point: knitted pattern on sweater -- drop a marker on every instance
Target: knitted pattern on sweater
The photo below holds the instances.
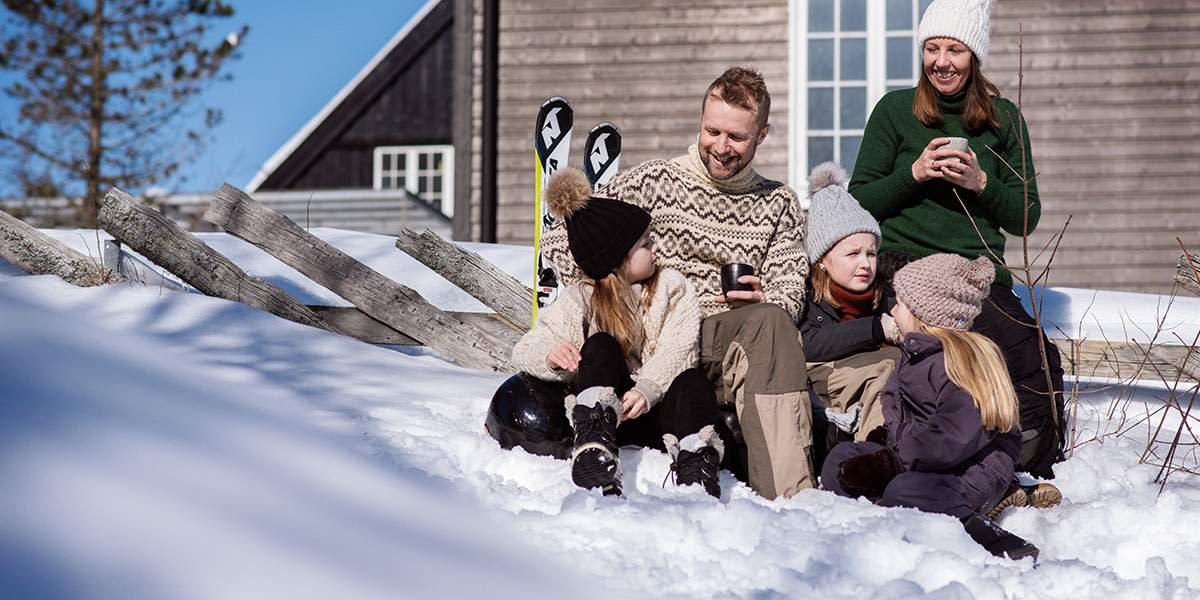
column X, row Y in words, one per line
column 672, row 324
column 700, row 224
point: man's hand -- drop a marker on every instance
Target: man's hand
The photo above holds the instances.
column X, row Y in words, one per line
column 563, row 356
column 633, row 405
column 736, row 298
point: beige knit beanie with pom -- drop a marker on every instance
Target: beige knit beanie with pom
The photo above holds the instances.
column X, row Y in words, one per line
column 945, row 290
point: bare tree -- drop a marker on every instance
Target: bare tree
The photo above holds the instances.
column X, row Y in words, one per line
column 102, row 88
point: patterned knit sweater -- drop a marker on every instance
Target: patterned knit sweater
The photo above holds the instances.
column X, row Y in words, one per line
column 701, row 224
column 672, row 324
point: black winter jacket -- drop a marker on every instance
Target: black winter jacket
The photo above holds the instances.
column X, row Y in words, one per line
column 826, row 337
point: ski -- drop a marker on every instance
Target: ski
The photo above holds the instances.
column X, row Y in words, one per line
column 602, row 154
column 551, row 150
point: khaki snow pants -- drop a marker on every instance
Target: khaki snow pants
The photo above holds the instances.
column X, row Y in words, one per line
column 856, row 379
column 754, row 358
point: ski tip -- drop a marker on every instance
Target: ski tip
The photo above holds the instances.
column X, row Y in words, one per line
column 605, row 125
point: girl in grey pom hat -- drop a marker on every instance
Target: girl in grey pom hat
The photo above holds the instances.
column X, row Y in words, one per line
column 952, row 431
column 849, row 340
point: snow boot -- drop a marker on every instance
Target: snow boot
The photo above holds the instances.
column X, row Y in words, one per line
column 996, row 540
column 697, row 459
column 595, row 459
column 1014, row 496
column 1042, row 495
column 1038, row 495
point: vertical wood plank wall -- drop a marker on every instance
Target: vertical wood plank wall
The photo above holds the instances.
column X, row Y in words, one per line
column 642, row 64
column 1111, row 92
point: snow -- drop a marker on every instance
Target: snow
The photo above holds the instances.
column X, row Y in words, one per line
column 171, row 445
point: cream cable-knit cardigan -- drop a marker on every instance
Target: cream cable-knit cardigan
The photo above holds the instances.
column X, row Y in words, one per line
column 672, row 345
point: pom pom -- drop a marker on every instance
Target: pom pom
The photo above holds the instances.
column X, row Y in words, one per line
column 825, row 175
column 567, row 192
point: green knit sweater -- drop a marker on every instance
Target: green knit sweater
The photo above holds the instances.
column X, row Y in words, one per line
column 926, row 218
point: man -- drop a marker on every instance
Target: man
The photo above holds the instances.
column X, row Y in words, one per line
column 711, row 208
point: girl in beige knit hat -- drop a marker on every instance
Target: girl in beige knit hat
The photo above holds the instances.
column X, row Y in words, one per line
column 952, row 425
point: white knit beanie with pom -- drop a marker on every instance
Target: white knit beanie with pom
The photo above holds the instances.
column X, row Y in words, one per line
column 832, row 212
column 967, row 21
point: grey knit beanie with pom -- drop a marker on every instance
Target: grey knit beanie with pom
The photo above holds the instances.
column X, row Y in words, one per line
column 945, row 290
column 832, row 212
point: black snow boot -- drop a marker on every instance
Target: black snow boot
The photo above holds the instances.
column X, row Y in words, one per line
column 996, row 540
column 697, row 459
column 595, row 459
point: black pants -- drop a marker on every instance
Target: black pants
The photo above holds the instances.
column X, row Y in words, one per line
column 1004, row 321
column 687, row 406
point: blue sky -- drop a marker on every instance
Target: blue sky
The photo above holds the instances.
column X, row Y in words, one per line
column 297, row 56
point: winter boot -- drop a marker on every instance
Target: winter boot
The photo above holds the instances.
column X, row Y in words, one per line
column 595, row 461
column 697, row 459
column 996, row 540
column 1014, row 496
column 1042, row 495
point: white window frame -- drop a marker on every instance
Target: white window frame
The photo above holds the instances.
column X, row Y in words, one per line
column 876, row 83
column 412, row 172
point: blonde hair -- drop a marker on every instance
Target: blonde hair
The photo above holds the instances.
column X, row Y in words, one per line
column 617, row 310
column 975, row 364
column 979, row 112
column 822, row 285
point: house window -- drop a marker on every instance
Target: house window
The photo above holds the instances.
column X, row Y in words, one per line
column 425, row 171
column 846, row 54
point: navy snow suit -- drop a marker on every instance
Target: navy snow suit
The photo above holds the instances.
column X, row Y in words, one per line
column 949, row 463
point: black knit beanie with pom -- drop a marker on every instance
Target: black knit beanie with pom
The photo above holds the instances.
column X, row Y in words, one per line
column 600, row 231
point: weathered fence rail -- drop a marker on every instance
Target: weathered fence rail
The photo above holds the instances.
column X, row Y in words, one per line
column 39, row 254
column 168, row 245
column 383, row 299
column 473, row 274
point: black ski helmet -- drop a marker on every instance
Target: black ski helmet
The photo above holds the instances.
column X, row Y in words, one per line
column 528, row 412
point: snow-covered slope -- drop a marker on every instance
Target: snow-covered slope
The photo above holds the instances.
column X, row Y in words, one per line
column 159, row 444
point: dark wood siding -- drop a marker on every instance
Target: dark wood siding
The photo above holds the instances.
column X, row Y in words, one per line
column 406, row 100
column 1111, row 91
column 642, row 64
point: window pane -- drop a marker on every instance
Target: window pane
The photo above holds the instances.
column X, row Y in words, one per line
column 422, row 185
column 387, row 162
column 820, row 15
column 892, row 88
column 900, row 53
column 854, row 108
column 849, row 147
column 899, row 14
column 422, row 161
column 437, row 184
column 437, row 162
column 820, row 108
column 385, row 183
column 820, row 60
column 924, row 5
column 400, row 184
column 401, row 159
column 854, row 59
column 854, row 15
column 820, row 149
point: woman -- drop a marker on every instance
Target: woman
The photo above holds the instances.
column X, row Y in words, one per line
column 849, row 340
column 931, row 198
